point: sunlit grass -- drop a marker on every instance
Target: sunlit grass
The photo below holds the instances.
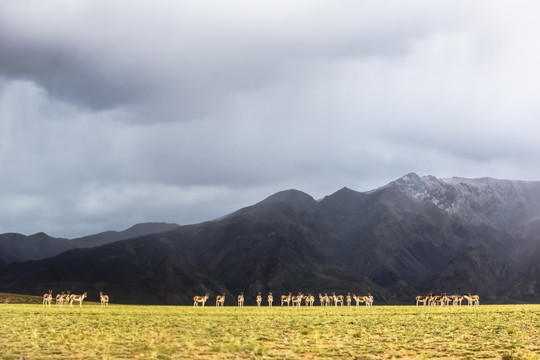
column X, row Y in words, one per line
column 167, row 332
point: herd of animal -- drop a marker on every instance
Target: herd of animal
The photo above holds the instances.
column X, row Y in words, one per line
column 67, row 298
column 335, row 300
column 295, row 300
column 444, row 299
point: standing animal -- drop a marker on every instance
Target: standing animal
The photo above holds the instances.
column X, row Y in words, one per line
column 47, row 298
column 286, row 299
column 241, row 299
column 200, row 300
column 423, row 299
column 365, row 299
column 337, row 299
column 472, row 299
column 220, row 300
column 297, row 300
column 104, row 299
column 310, row 300
column 259, row 299
column 370, row 300
column 59, row 298
column 270, row 299
column 327, row 300
column 78, row 298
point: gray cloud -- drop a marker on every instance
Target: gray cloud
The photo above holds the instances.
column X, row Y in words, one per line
column 187, row 61
column 112, row 115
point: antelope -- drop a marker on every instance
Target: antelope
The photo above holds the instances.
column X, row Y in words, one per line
column 452, row 299
column 78, row 298
column 285, row 299
column 310, row 300
column 200, row 299
column 60, row 299
column 365, row 299
column 327, row 300
column 423, row 299
column 104, row 299
column 270, row 299
column 444, row 299
column 362, row 299
column 337, row 299
column 370, row 300
column 322, row 299
column 259, row 300
column 47, row 298
column 241, row 299
column 220, row 300
column 349, row 299
column 297, row 300
column 64, row 298
column 472, row 299
column 438, row 299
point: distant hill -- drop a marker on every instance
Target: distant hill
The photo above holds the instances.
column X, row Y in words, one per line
column 17, row 247
column 413, row 235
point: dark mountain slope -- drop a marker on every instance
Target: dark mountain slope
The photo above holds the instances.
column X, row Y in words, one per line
column 144, row 270
column 478, row 270
column 392, row 238
column 280, row 244
column 414, row 235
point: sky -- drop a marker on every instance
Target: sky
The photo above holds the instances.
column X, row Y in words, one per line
column 115, row 112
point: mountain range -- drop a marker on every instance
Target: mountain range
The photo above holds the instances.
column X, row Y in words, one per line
column 411, row 236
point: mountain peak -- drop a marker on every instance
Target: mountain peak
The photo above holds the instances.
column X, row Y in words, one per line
column 413, row 178
column 292, row 197
column 412, row 184
column 410, row 177
column 40, row 235
column 345, row 190
column 342, row 196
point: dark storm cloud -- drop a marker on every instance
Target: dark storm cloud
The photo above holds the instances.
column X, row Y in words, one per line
column 113, row 113
column 65, row 74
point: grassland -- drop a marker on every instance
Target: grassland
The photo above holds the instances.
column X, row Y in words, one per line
column 6, row 298
column 167, row 332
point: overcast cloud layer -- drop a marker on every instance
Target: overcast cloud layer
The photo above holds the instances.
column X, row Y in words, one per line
column 114, row 112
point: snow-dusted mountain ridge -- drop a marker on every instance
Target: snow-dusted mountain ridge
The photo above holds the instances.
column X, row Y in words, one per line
column 503, row 204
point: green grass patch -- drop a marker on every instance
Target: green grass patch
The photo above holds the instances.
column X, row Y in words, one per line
column 178, row 332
